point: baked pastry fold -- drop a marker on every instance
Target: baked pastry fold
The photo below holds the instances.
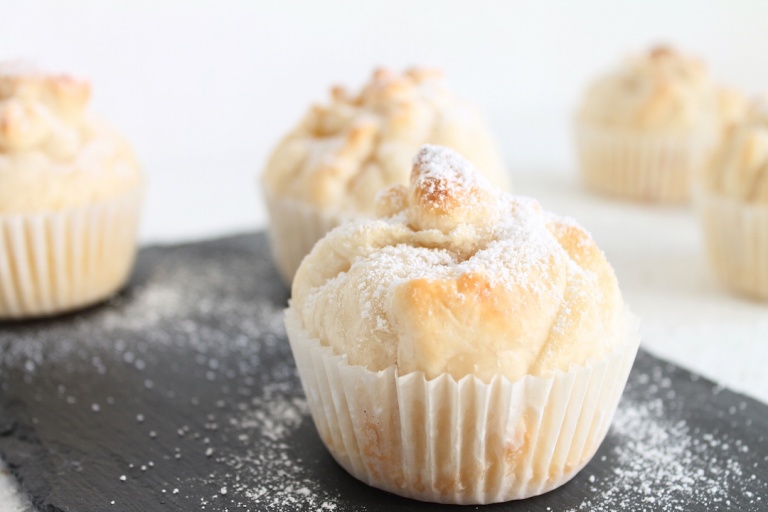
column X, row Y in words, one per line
column 465, row 347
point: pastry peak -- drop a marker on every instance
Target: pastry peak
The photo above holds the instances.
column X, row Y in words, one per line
column 447, row 191
column 437, row 167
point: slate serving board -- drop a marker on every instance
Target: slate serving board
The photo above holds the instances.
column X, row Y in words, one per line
column 181, row 394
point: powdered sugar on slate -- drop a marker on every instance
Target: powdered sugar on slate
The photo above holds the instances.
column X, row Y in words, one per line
column 666, row 463
column 266, row 470
column 220, row 312
column 199, row 311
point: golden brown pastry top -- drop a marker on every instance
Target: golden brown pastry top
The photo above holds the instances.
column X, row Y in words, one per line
column 739, row 167
column 455, row 276
column 53, row 153
column 343, row 153
column 660, row 90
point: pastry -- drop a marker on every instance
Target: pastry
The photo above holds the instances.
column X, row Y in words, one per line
column 733, row 205
column 70, row 192
column 466, row 346
column 330, row 167
column 644, row 130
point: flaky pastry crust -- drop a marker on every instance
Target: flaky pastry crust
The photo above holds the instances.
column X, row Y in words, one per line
column 343, row 153
column 53, row 154
column 456, row 277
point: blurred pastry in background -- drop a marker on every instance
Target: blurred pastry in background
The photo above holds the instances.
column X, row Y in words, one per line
column 643, row 130
column 70, row 194
column 733, row 107
column 331, row 166
column 732, row 201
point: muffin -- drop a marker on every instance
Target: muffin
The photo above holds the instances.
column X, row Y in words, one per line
column 466, row 346
column 70, row 192
column 733, row 206
column 643, row 130
column 330, row 168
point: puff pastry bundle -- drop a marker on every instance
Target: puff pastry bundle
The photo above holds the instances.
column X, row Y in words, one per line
column 733, row 206
column 70, row 191
column 644, row 130
column 466, row 346
column 330, row 167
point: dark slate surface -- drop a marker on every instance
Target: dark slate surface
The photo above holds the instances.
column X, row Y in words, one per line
column 188, row 374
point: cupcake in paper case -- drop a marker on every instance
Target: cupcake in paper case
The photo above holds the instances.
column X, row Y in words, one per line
column 331, row 166
column 70, row 194
column 464, row 347
column 732, row 202
column 644, row 130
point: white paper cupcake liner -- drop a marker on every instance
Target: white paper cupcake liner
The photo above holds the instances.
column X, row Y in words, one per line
column 54, row 262
column 294, row 228
column 736, row 237
column 465, row 442
column 656, row 167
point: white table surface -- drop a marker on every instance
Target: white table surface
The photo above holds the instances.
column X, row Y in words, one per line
column 11, row 499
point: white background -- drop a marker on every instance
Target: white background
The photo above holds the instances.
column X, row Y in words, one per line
column 205, row 89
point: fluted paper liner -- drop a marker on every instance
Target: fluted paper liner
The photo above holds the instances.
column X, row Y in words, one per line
column 54, row 262
column 294, row 228
column 465, row 442
column 736, row 237
column 648, row 167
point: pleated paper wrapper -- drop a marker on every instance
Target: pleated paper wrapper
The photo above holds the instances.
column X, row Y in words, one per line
column 736, row 236
column 294, row 229
column 645, row 167
column 54, row 262
column 465, row 442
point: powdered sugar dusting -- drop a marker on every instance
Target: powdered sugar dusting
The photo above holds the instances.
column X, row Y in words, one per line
column 210, row 321
column 262, row 469
column 444, row 166
column 666, row 462
column 655, row 453
column 452, row 225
